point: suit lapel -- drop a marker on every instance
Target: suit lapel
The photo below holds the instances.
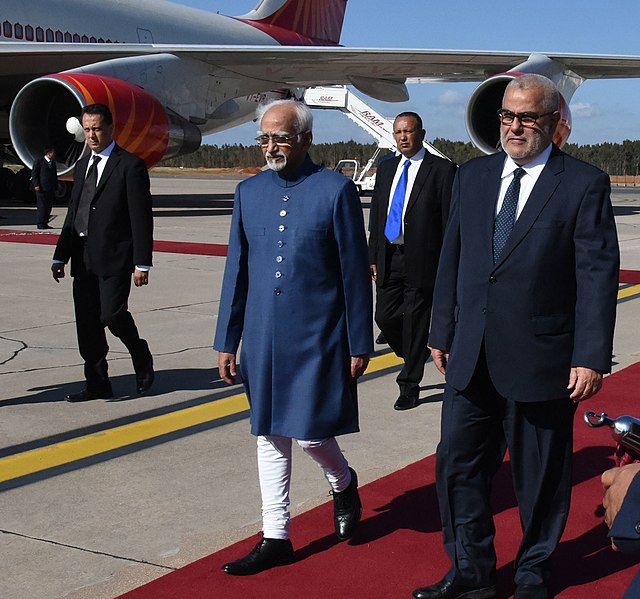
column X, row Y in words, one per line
column 541, row 193
column 420, row 180
column 112, row 162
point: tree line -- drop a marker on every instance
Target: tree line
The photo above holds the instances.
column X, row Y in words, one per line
column 613, row 158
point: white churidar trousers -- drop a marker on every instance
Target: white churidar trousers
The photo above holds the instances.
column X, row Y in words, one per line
column 274, row 471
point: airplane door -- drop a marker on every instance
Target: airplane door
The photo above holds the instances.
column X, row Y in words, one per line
column 145, row 36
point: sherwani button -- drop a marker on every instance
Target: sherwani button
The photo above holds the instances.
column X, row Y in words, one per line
column 281, row 228
column 278, row 274
column 283, row 213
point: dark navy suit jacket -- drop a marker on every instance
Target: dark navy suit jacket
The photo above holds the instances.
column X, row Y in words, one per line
column 549, row 302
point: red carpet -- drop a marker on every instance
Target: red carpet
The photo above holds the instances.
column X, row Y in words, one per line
column 398, row 545
column 631, row 277
column 174, row 247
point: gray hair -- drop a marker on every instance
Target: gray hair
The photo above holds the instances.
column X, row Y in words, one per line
column 304, row 118
column 551, row 101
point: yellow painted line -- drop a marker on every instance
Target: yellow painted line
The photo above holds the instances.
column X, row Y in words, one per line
column 628, row 292
column 72, row 450
column 65, row 452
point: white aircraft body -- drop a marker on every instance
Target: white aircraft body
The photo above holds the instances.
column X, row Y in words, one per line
column 171, row 74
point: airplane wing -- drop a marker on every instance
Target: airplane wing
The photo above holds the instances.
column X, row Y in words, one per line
column 311, row 65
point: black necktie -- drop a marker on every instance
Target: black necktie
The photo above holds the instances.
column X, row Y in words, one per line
column 81, row 222
column 507, row 215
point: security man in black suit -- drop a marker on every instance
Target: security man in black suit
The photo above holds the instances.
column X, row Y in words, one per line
column 409, row 211
column 44, row 178
column 107, row 234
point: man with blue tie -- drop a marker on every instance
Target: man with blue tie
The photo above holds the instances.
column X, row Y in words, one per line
column 409, row 211
column 523, row 315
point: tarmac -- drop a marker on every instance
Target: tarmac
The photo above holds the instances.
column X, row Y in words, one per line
column 100, row 497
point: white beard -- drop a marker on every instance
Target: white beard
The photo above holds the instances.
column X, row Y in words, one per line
column 275, row 165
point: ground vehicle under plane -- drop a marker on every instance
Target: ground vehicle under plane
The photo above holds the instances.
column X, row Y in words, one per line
column 178, row 73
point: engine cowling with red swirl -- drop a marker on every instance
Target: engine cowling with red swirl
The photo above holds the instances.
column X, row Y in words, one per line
column 46, row 111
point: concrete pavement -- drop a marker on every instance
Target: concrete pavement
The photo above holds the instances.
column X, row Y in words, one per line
column 175, row 479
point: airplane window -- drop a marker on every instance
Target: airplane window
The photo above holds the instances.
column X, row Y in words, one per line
column 39, row 34
column 49, row 34
column 59, row 36
column 85, row 39
column 18, row 31
column 92, row 39
column 67, row 37
column 28, row 33
column 76, row 38
column 7, row 29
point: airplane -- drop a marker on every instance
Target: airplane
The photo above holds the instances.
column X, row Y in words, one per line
column 172, row 74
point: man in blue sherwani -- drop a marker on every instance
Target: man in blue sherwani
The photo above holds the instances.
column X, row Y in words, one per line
column 523, row 316
column 296, row 290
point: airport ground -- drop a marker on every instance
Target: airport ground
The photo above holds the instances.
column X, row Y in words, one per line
column 101, row 497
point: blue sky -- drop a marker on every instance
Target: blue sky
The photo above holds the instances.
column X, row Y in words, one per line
column 602, row 110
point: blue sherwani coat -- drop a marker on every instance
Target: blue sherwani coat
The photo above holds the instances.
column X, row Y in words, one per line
column 297, row 290
column 549, row 302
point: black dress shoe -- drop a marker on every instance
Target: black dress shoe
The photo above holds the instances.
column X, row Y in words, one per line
column 347, row 509
column 143, row 365
column 405, row 402
column 145, row 377
column 446, row 589
column 89, row 395
column 268, row 553
column 44, row 227
column 531, row 591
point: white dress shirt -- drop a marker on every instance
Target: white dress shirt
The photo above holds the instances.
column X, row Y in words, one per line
column 532, row 171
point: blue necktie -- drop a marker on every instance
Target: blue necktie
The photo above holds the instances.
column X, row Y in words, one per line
column 393, row 228
column 507, row 215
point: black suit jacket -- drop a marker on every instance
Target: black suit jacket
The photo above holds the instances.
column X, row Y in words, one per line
column 549, row 302
column 120, row 219
column 424, row 222
column 43, row 175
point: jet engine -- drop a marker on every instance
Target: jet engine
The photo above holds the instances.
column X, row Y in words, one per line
column 481, row 117
column 47, row 111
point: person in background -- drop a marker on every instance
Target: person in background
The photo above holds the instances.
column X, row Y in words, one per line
column 44, row 178
column 409, row 211
column 107, row 234
column 622, row 514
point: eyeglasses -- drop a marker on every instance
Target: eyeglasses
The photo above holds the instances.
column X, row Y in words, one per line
column 527, row 119
column 279, row 140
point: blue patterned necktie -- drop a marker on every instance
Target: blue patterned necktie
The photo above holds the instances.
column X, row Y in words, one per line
column 393, row 228
column 507, row 215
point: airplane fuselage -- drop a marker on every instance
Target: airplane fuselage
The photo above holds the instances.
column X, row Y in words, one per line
column 118, row 21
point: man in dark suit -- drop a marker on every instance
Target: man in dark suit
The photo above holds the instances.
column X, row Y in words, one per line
column 523, row 317
column 409, row 211
column 44, row 178
column 622, row 514
column 107, row 234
